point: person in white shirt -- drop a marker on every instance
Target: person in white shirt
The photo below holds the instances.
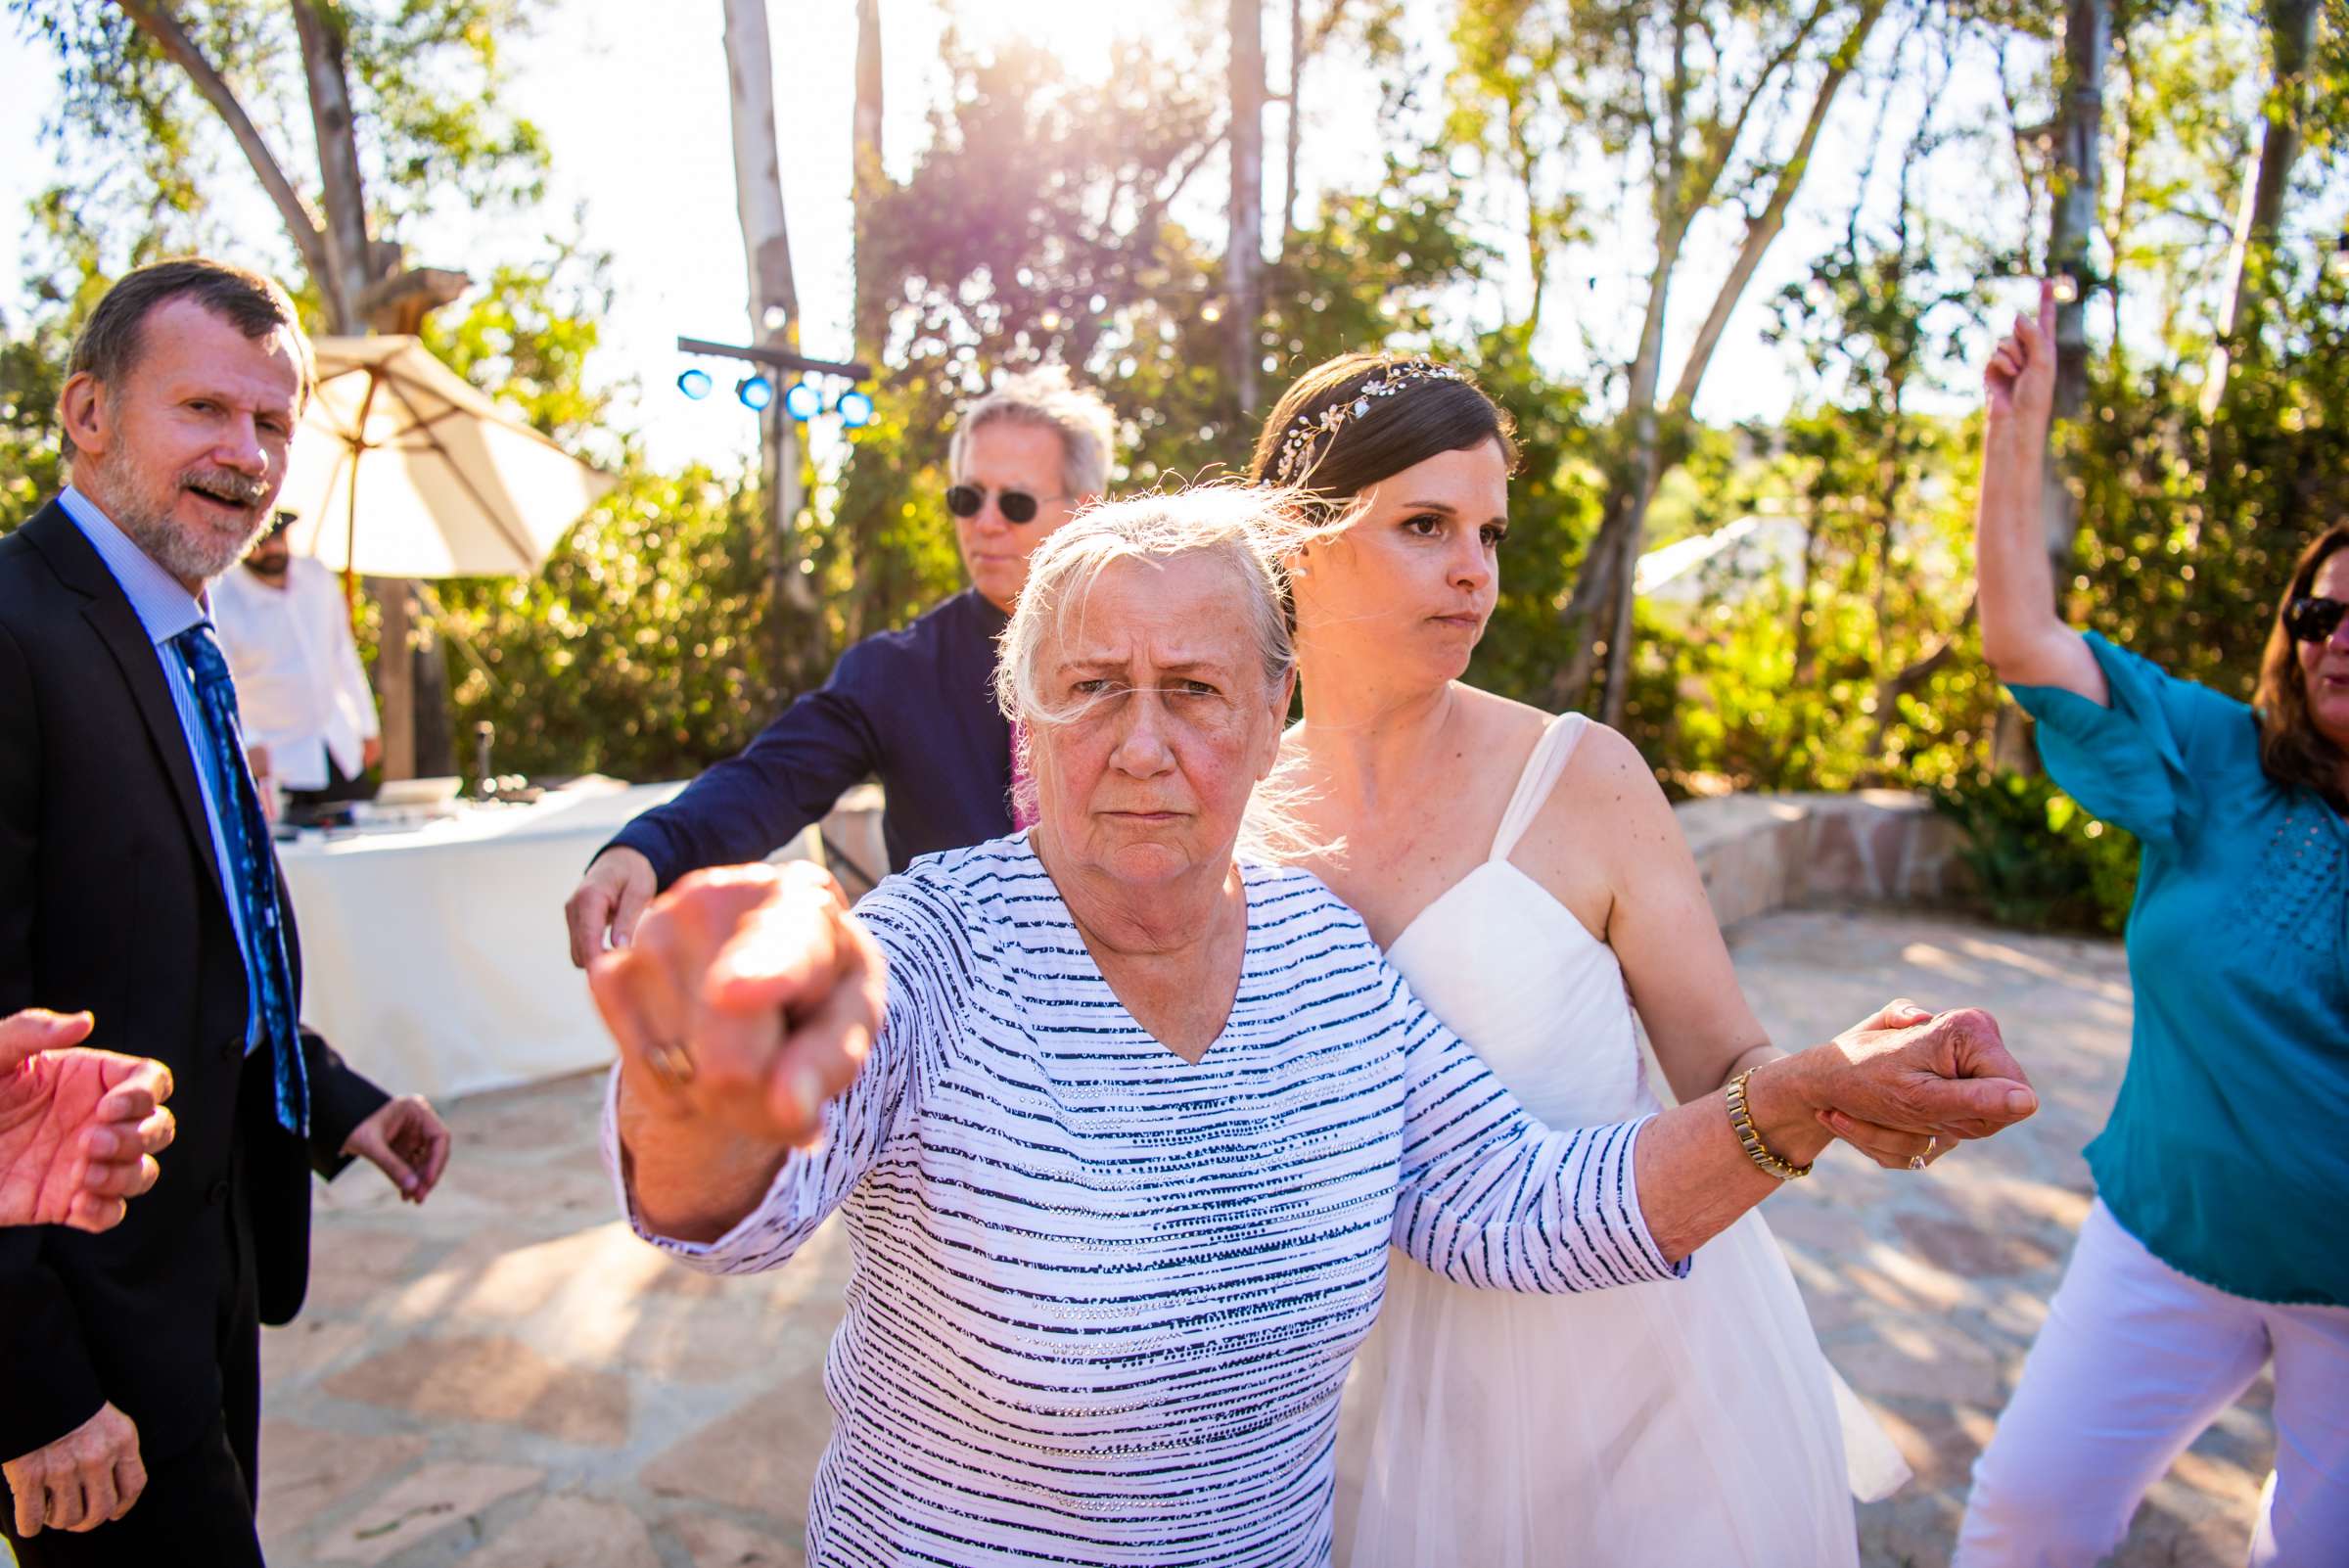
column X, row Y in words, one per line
column 308, row 713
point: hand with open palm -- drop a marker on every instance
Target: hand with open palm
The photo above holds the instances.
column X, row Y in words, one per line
column 79, row 1128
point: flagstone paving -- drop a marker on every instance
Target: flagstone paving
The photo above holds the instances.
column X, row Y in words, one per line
column 505, row 1379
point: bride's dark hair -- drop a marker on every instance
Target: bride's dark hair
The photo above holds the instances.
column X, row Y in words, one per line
column 1443, row 412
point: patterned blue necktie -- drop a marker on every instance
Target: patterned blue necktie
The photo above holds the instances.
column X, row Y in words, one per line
column 250, row 876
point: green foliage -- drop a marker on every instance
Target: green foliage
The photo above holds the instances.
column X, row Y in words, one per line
column 1553, row 511
column 526, row 334
column 1055, row 218
column 1039, row 228
column 2190, row 524
column 142, row 150
column 2038, row 859
column 636, row 651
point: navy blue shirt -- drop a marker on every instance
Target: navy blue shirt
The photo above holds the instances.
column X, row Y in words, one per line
column 914, row 707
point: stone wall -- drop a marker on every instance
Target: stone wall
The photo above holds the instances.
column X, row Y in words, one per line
column 1760, row 853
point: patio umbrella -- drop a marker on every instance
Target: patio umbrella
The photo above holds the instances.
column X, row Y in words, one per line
column 402, row 469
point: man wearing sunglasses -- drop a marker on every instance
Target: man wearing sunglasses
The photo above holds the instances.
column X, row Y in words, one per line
column 914, row 707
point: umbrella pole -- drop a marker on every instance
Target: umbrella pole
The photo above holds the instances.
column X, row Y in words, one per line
column 395, row 671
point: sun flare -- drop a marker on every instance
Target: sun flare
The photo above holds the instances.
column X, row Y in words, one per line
column 1081, row 32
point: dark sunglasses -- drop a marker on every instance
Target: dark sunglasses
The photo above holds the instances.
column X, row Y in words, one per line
column 1017, row 506
column 2310, row 618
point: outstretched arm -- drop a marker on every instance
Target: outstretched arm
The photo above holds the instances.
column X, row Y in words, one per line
column 1608, row 847
column 1490, row 1197
column 743, row 1015
column 2024, row 639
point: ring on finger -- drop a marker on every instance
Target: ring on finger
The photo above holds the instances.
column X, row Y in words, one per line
column 1918, row 1162
column 671, row 1063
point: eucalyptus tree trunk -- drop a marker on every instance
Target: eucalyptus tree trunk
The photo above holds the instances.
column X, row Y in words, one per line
column 2283, row 130
column 319, row 25
column 775, row 308
column 1244, row 255
column 1295, row 129
column 1646, row 467
column 868, row 183
column 1597, row 616
column 410, row 668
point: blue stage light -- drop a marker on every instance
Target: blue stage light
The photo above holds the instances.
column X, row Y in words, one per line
column 804, row 401
column 854, row 409
column 695, row 383
column 756, row 393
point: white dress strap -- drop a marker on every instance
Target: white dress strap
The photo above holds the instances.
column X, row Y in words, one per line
column 1541, row 769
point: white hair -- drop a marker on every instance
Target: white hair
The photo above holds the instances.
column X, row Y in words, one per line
column 1046, row 399
column 1251, row 530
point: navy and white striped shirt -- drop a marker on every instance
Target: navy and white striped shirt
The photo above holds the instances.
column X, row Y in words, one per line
column 1104, row 1300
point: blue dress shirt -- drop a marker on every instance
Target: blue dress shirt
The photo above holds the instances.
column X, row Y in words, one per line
column 915, row 708
column 165, row 609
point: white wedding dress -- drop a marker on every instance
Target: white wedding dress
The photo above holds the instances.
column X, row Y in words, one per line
column 1686, row 1424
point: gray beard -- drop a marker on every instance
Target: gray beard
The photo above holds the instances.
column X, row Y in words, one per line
column 190, row 559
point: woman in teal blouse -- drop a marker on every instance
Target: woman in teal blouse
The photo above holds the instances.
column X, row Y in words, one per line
column 2218, row 1240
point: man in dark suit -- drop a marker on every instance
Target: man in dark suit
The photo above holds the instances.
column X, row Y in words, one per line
column 138, row 883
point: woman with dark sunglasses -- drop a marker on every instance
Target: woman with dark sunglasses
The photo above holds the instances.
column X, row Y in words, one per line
column 2215, row 1245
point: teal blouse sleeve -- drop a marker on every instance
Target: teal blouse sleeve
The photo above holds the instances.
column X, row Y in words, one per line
column 2135, row 763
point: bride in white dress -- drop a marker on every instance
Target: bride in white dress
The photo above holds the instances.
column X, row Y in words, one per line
column 1521, row 871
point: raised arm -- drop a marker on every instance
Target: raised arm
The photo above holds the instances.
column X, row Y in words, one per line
column 1490, row 1197
column 745, row 1014
column 2024, row 639
column 738, row 810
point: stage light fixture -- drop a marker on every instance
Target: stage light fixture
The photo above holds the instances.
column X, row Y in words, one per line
column 756, row 393
column 695, row 383
column 854, row 409
column 804, row 401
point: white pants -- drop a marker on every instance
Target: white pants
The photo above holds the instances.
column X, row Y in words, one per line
column 2134, row 1362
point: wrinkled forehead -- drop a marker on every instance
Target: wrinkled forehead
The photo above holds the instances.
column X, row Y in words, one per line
column 187, row 352
column 1190, row 611
column 1012, row 453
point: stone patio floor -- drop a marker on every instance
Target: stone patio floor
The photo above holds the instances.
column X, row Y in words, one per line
column 506, row 1379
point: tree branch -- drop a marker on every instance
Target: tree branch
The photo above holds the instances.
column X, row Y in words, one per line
column 1721, row 148
column 1764, row 229
column 155, row 18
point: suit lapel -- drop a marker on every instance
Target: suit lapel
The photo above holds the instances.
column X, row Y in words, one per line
column 107, row 610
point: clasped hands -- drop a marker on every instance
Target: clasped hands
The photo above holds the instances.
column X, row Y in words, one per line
column 1905, row 1086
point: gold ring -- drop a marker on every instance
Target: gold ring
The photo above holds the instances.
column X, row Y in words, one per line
column 672, row 1064
column 1916, row 1161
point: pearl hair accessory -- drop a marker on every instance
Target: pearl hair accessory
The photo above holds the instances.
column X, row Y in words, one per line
column 1307, row 430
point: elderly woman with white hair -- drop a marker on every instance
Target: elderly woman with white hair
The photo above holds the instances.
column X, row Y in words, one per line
column 1121, row 1122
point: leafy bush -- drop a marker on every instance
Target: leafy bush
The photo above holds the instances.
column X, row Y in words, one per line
column 639, row 650
column 2039, row 861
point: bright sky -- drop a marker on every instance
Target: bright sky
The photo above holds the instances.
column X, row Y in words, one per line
column 636, row 117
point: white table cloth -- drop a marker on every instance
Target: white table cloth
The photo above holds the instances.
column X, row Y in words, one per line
column 434, row 959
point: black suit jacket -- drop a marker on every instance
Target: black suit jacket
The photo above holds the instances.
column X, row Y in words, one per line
column 110, row 899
